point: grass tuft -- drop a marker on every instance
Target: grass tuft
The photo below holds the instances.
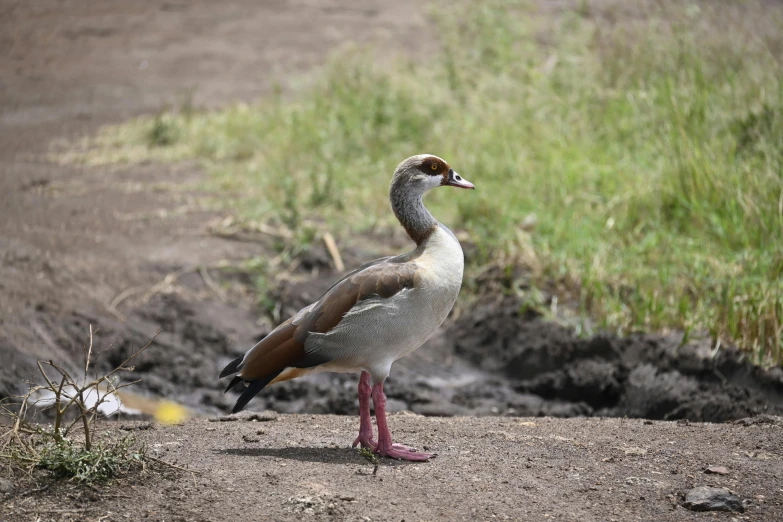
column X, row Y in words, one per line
column 163, row 132
column 646, row 139
column 103, row 461
column 75, row 402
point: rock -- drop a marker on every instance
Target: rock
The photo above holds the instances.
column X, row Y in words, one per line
column 717, row 470
column 706, row 498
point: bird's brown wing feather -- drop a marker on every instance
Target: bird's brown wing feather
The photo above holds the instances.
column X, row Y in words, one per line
column 285, row 346
column 383, row 280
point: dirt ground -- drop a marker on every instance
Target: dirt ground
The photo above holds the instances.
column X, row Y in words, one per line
column 74, row 240
column 121, row 249
column 300, row 467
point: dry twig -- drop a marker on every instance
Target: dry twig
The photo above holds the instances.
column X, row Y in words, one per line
column 331, row 246
column 21, row 443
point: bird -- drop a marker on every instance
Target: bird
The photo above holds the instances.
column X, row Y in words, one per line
column 373, row 316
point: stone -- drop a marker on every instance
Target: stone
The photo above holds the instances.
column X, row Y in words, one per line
column 707, row 498
column 717, row 470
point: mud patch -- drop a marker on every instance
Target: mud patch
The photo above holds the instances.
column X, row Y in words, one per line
column 647, row 376
column 496, row 360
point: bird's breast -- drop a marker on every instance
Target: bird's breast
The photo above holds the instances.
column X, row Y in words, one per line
column 381, row 330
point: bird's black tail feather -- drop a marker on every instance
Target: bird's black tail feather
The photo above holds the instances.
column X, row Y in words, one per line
column 253, row 387
column 234, row 382
column 232, row 367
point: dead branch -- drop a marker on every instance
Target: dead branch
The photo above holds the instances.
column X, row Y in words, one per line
column 88, row 356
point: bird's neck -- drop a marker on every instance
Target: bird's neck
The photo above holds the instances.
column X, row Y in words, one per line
column 411, row 213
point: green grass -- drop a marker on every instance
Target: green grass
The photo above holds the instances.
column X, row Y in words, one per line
column 101, row 462
column 645, row 138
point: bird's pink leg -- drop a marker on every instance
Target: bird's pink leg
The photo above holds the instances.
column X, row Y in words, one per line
column 385, row 448
column 365, row 420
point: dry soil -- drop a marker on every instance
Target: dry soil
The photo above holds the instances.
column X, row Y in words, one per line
column 300, row 467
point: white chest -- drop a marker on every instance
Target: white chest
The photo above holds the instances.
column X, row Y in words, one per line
column 442, row 265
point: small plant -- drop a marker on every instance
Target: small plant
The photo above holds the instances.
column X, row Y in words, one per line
column 68, row 448
column 101, row 462
column 163, row 131
column 370, row 457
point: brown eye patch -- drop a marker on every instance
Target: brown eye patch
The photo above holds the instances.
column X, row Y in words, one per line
column 434, row 166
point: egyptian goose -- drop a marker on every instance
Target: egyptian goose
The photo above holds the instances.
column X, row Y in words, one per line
column 373, row 316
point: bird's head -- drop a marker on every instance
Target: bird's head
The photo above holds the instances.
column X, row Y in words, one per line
column 425, row 172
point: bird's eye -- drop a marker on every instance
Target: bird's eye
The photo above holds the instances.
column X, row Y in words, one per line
column 434, row 166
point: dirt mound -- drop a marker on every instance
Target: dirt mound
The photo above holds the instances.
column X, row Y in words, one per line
column 647, row 376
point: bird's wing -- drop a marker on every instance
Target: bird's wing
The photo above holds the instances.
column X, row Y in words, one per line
column 284, row 347
column 382, row 280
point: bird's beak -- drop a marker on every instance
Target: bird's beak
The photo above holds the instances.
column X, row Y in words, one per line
column 455, row 180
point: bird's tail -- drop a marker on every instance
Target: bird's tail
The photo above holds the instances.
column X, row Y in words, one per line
column 263, row 363
column 251, row 389
column 232, row 367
